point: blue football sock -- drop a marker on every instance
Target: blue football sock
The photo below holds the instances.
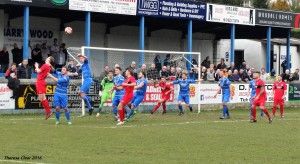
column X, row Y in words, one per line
column 227, row 110
column 115, row 111
column 262, row 113
column 87, row 101
column 180, row 108
column 190, row 106
column 127, row 109
column 67, row 113
column 130, row 114
column 57, row 115
column 224, row 111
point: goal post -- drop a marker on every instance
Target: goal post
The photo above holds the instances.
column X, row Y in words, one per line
column 100, row 57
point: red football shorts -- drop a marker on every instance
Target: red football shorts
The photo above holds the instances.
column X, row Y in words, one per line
column 278, row 101
column 126, row 99
column 260, row 102
column 40, row 88
column 165, row 97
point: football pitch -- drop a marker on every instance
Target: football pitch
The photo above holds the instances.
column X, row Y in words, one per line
column 192, row 138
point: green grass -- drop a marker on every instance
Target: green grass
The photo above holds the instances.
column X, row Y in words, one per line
column 154, row 138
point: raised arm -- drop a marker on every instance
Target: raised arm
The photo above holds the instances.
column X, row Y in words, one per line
column 52, row 77
column 37, row 69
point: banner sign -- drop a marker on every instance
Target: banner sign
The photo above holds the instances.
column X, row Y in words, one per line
column 172, row 9
column 274, row 18
column 154, row 94
column 36, row 36
column 294, row 92
column 230, row 14
column 28, row 99
column 60, row 4
column 5, row 93
column 126, row 7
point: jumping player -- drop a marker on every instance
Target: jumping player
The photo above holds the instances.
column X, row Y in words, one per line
column 260, row 98
column 141, row 88
column 251, row 93
column 119, row 90
column 41, row 84
column 107, row 84
column 224, row 85
column 61, row 91
column 166, row 90
column 279, row 92
column 128, row 85
column 87, row 81
column 184, row 93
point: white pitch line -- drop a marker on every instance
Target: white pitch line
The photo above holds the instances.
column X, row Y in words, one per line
column 15, row 161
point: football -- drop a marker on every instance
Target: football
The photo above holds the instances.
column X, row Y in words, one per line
column 68, row 30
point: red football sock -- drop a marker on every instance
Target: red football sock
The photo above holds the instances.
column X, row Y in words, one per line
column 46, row 106
column 274, row 110
column 156, row 107
column 121, row 115
column 266, row 112
column 164, row 107
column 281, row 110
column 253, row 113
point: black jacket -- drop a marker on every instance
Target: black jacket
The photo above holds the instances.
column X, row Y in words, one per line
column 24, row 73
column 17, row 55
column 4, row 57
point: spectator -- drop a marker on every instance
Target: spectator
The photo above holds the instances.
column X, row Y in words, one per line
column 168, row 68
column 206, row 62
column 60, row 58
column 172, row 74
column 217, row 75
column 152, row 73
column 242, row 75
column 71, row 67
column 182, row 64
column 13, row 82
column 296, row 75
column 232, row 67
column 157, row 62
column 167, row 60
column 24, row 71
column 211, row 74
column 263, row 74
column 164, row 72
column 243, row 66
column 247, row 68
column 203, row 74
column 30, row 61
column 17, row 54
column 178, row 73
column 250, row 75
column 222, row 65
column 144, row 70
column 54, row 49
column 252, row 72
column 230, row 76
column 283, row 65
column 133, row 67
column 104, row 73
column 172, row 61
column 286, row 76
column 4, row 60
column 36, row 55
column 194, row 62
column 194, row 73
column 272, row 76
column 291, row 77
column 211, row 66
column 45, row 52
column 63, row 45
column 235, row 75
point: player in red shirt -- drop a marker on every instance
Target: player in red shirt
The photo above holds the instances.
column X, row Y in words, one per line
column 166, row 90
column 128, row 85
column 279, row 92
column 41, row 83
column 260, row 97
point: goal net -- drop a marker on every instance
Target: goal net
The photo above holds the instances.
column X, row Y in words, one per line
column 154, row 63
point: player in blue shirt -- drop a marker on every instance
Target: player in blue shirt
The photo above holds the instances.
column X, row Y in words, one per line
column 141, row 88
column 184, row 93
column 224, row 85
column 60, row 95
column 252, row 89
column 87, row 81
column 119, row 91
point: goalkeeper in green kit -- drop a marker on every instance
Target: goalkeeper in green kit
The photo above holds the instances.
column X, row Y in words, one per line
column 107, row 84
